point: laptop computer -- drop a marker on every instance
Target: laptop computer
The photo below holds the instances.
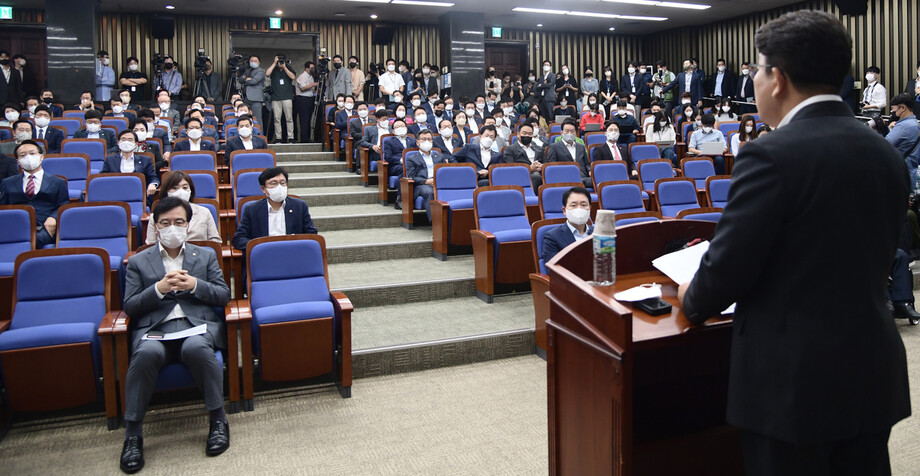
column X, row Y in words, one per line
column 561, row 117
column 711, row 148
column 592, row 127
column 665, row 143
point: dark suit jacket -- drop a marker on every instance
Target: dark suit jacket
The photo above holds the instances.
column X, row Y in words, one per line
column 183, row 145
column 51, row 195
column 53, row 137
column 11, row 92
column 603, row 153
column 515, row 153
column 393, row 149
column 816, row 356
column 142, row 165
column 147, row 309
column 556, row 239
column 558, row 152
column 235, row 143
column 446, row 148
column 255, row 221
column 742, row 94
column 164, row 137
column 106, row 134
column 342, row 117
column 129, row 115
column 414, row 129
column 8, row 167
column 417, row 170
column 641, row 85
column 471, row 154
column 356, row 127
column 729, row 80
column 696, row 86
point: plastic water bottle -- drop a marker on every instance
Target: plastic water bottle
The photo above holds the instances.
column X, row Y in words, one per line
column 605, row 248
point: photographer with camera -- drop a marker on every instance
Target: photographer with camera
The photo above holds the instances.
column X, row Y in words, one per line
column 305, row 101
column 254, row 79
column 212, row 80
column 282, row 80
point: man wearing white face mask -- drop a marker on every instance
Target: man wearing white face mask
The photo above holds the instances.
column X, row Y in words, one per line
column 244, row 138
column 345, row 115
column 93, row 129
column 276, row 214
column 421, row 123
column 127, row 162
column 134, row 81
column 169, row 112
column 393, row 149
column 44, row 131
column 45, row 193
column 391, row 82
column 173, row 287
column 420, row 168
column 576, row 205
column 22, row 131
column 545, row 90
column 356, row 124
column 708, row 133
column 722, row 82
column 875, row 96
column 481, row 154
column 569, row 149
column 105, row 76
column 254, row 78
column 194, row 129
column 445, row 139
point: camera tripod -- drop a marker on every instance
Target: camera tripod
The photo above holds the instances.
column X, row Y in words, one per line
column 157, row 84
column 319, row 101
column 201, row 86
column 233, row 85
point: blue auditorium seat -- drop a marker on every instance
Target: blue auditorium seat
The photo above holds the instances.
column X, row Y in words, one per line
column 675, row 194
column 72, row 166
column 621, row 197
column 501, row 240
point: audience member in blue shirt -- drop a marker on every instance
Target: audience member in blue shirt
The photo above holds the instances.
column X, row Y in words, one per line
column 708, row 133
column 905, row 133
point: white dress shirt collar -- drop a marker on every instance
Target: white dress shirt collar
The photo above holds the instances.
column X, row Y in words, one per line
column 808, row 102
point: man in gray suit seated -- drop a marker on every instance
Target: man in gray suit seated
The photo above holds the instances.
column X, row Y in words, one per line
column 173, row 287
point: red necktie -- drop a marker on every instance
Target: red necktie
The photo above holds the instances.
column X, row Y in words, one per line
column 30, row 187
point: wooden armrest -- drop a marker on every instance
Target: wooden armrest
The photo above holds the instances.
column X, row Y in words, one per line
column 130, row 254
column 107, row 326
column 122, row 321
column 243, row 311
column 4, row 325
column 342, row 302
column 482, row 234
column 231, row 313
column 539, row 278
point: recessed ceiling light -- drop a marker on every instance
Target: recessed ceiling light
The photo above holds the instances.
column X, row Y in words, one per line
column 612, row 28
column 170, row 7
column 279, row 12
column 655, row 3
column 422, row 3
column 539, row 10
column 373, row 16
column 539, row 24
column 592, row 14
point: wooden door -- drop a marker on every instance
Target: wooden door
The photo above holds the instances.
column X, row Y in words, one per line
column 505, row 58
column 29, row 42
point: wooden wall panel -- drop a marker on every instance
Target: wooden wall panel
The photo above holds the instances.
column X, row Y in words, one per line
column 579, row 50
column 887, row 37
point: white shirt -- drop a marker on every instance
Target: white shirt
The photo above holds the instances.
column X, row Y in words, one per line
column 614, row 151
column 127, row 164
column 744, row 80
column 665, row 134
column 303, row 81
column 812, row 100
column 40, row 132
column 718, row 89
column 428, row 163
column 575, row 231
column 486, row 155
column 381, row 131
column 194, row 146
column 170, row 265
column 876, row 95
column 38, row 180
column 689, row 79
column 529, row 152
column 276, row 223
column 6, row 73
column 571, row 148
column 247, row 143
column 632, row 80
column 391, row 81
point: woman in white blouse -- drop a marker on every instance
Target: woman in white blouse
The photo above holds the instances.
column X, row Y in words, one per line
column 724, row 112
column 747, row 131
column 201, row 227
column 661, row 130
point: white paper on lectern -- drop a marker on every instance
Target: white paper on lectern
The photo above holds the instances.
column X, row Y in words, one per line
column 194, row 331
column 681, row 265
column 639, row 293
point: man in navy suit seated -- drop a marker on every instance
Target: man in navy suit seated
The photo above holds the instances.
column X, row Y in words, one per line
column 342, row 117
column 393, row 149
column 195, row 131
column 244, row 140
column 43, row 130
column 45, row 193
column 480, row 153
column 371, row 135
column 276, row 214
column 93, row 129
column 445, row 139
column 576, row 205
column 207, row 131
column 420, row 168
column 47, row 97
column 127, row 162
column 119, row 109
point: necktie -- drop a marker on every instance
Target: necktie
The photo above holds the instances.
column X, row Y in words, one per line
column 30, row 187
column 41, row 133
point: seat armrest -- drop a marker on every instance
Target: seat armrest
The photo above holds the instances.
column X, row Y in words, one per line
column 243, row 311
column 4, row 325
column 482, row 234
column 107, row 326
column 341, row 301
column 120, row 322
column 231, row 313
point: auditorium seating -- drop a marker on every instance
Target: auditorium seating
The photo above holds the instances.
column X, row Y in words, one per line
column 643, row 150
column 675, row 194
column 539, row 280
column 128, row 188
column 452, row 215
column 73, row 167
column 551, row 199
column 501, row 240
column 556, row 172
column 197, row 160
column 699, row 169
column 70, row 124
column 717, row 190
column 18, row 225
column 517, row 174
column 704, row 213
column 621, row 196
column 637, row 217
column 95, row 149
column 251, row 159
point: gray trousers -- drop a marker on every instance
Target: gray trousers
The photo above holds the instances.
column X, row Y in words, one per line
column 256, row 108
column 149, row 356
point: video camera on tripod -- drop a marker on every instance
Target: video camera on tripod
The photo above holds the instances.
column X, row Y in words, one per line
column 157, row 61
column 201, row 63
column 236, row 65
column 322, row 66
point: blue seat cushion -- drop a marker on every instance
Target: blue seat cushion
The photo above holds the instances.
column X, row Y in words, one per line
column 373, row 166
column 296, row 311
column 6, row 269
column 175, row 376
column 48, row 335
column 392, row 181
column 531, row 200
column 419, row 203
column 75, row 194
column 512, row 235
column 461, row 204
column 644, row 195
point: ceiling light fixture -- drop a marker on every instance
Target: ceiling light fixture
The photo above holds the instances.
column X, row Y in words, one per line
column 539, row 10
column 420, row 3
column 373, row 16
column 611, row 28
column 653, row 3
column 369, row 1
column 633, row 17
column 170, row 7
column 586, row 14
column 590, row 14
column 279, row 12
column 540, row 25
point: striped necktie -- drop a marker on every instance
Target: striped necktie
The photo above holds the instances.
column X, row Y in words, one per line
column 30, row 187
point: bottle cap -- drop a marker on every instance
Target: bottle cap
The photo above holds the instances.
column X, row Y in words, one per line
column 605, row 224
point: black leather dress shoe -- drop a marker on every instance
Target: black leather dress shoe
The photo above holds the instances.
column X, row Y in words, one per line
column 905, row 310
column 397, row 205
column 132, row 454
column 218, row 438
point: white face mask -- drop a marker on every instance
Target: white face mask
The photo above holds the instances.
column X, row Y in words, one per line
column 446, row 133
column 563, row 103
column 391, row 67
column 132, row 67
column 707, row 129
column 245, row 131
column 32, row 109
column 577, row 216
column 173, row 236
column 151, row 126
column 141, row 135
column 425, row 146
column 253, row 64
column 21, row 136
column 699, row 123
column 533, row 78
column 631, row 70
column 349, row 106
column 745, row 72
column 721, row 68
column 12, row 116
column 748, row 129
column 127, row 146
column 870, row 77
column 688, row 113
column 195, row 133
column 164, row 106
column 400, row 131
column 362, row 113
column 612, row 136
column 400, row 114
column 568, row 137
column 508, row 110
column 480, row 106
column 340, row 104
column 105, row 61
column 426, row 70
column 663, row 123
column 126, row 99
column 621, row 113
column 486, row 142
column 421, row 118
column 94, row 128
column 181, row 193
column 565, row 70
column 642, row 70
column 470, row 112
column 546, row 68
column 461, row 121
column 416, row 103
column 685, row 101
column 117, row 109
column 397, row 99
column 42, row 121
column 278, row 193
column 30, row 162
column 608, row 73
column 449, row 107
column 726, row 108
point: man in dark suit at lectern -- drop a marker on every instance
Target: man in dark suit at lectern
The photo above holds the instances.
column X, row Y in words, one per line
column 818, row 370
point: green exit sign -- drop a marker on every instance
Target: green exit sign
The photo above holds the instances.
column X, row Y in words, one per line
column 6, row 13
column 496, row 32
column 274, row 23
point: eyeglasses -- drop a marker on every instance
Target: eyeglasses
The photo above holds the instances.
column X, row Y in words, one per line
column 165, row 223
column 275, row 183
column 756, row 67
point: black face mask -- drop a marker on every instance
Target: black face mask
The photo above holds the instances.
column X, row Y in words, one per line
column 48, row 100
column 168, row 65
column 5, row 62
column 337, row 65
column 352, row 64
column 525, row 140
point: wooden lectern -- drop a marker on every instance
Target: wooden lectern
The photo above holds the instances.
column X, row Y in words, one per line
column 630, row 393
